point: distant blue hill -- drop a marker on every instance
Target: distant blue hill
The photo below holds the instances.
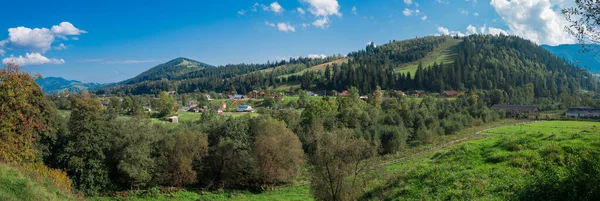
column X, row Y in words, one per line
column 588, row 60
column 56, row 84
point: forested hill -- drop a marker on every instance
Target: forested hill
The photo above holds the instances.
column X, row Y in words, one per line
column 440, row 63
column 56, row 84
column 588, row 60
column 173, row 68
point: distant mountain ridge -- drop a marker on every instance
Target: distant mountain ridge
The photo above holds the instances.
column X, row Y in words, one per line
column 173, row 68
column 56, row 84
column 572, row 53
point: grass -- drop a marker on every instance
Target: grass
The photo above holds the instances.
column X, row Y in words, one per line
column 294, row 193
column 496, row 167
column 444, row 53
column 16, row 185
column 320, row 67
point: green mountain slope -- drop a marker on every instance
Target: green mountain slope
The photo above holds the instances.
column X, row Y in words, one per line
column 472, row 62
column 588, row 60
column 444, row 53
column 56, row 84
column 169, row 70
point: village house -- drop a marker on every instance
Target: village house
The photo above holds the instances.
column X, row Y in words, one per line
column 173, row 119
column 582, row 112
column 245, row 108
column 237, row 97
column 450, row 94
column 517, row 110
column 418, row 93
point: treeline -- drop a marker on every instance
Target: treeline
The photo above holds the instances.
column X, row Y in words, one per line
column 174, row 77
column 483, row 62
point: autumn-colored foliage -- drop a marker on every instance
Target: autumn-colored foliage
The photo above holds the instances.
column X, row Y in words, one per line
column 22, row 110
column 25, row 116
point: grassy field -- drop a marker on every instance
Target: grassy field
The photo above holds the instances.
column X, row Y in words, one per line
column 295, row 193
column 494, row 168
column 321, row 67
column 444, row 53
column 16, row 185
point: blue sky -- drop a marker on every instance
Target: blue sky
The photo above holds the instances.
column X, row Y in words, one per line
column 110, row 41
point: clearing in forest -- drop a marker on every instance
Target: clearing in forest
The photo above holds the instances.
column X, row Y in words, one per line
column 445, row 53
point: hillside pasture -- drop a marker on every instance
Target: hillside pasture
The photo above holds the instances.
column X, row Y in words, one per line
column 445, row 53
column 502, row 166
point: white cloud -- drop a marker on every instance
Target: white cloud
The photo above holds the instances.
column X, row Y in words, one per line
column 464, row 12
column 424, row 18
column 539, row 21
column 66, row 29
column 471, row 29
column 304, row 25
column 275, row 7
column 443, row 31
column 354, row 10
column 301, row 11
column 74, row 38
column 32, row 59
column 61, row 47
column 324, row 8
column 321, row 23
column 2, row 52
column 241, row 12
column 269, row 24
column 475, row 14
column 37, row 39
column 314, row 56
column 408, row 2
column 443, row 1
column 496, row 31
column 285, row 27
column 407, row 12
column 483, row 28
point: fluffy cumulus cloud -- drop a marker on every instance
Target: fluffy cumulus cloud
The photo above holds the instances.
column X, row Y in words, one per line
column 321, row 23
column 354, row 10
column 32, row 59
column 540, row 21
column 2, row 52
column 37, row 41
column 443, row 30
column 66, row 29
column 301, row 11
column 408, row 2
column 315, row 56
column 472, row 30
column 275, row 7
column 285, row 27
column 322, row 9
column 424, row 18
